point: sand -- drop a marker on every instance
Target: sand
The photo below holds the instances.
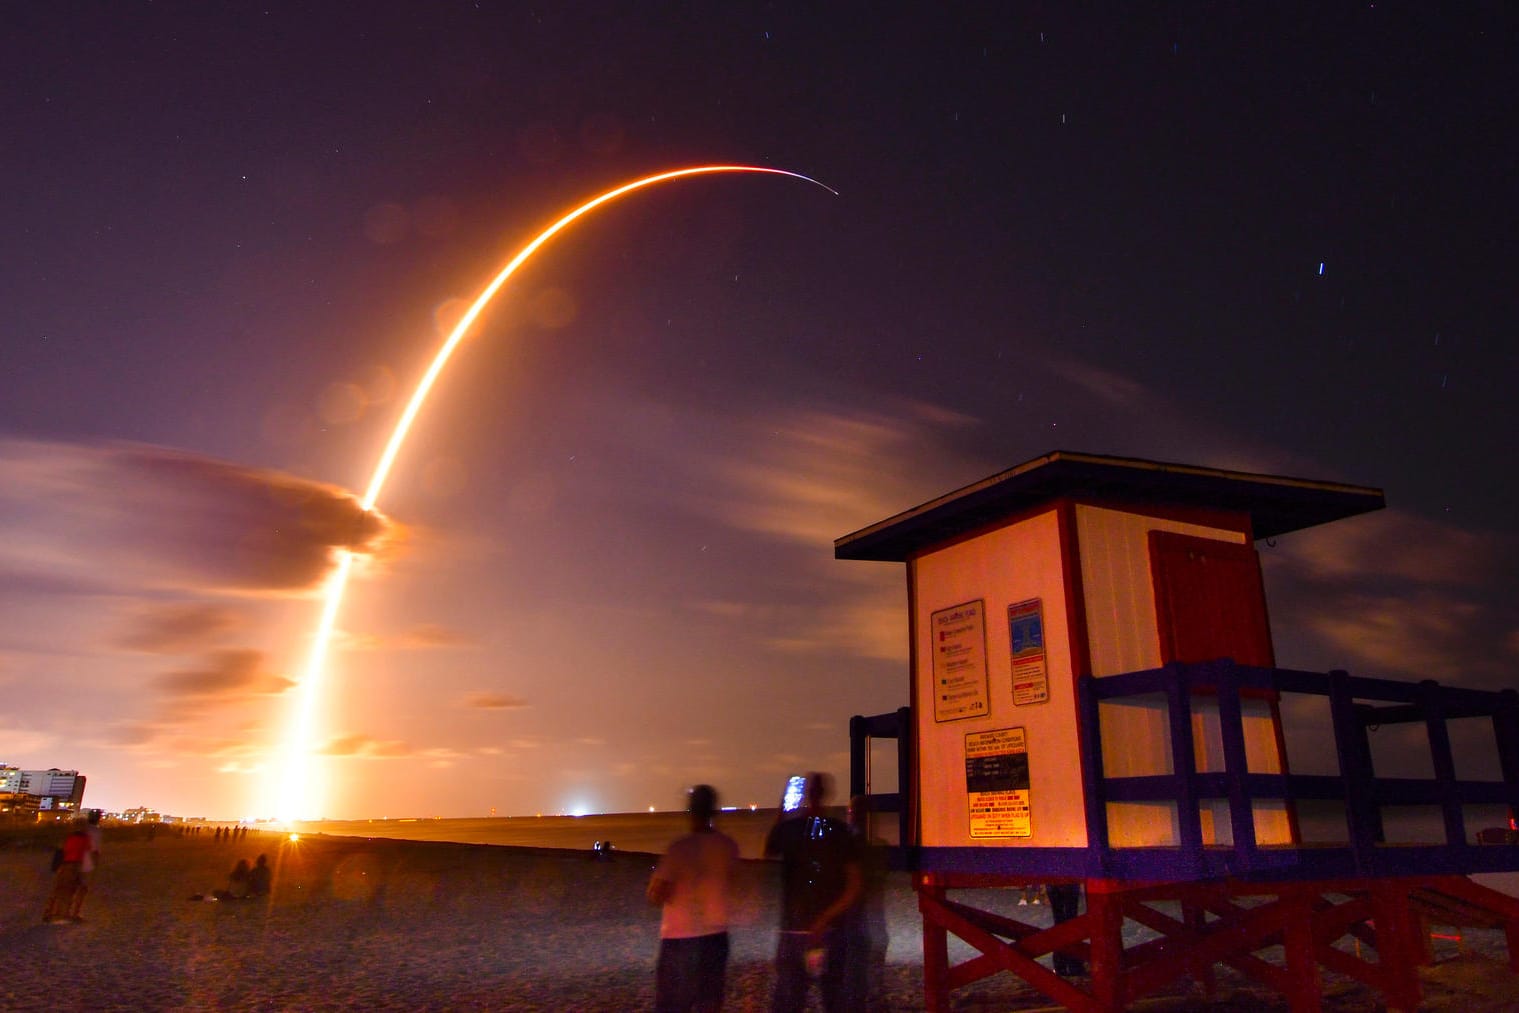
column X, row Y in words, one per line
column 374, row 924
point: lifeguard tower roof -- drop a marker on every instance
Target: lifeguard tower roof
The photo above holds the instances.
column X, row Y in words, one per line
column 1276, row 504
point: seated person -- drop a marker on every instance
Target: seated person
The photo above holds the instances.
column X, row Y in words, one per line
column 259, row 877
column 237, row 883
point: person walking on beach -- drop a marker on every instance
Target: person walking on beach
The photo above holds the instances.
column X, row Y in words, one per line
column 691, row 885
column 67, row 878
column 87, row 864
column 821, row 882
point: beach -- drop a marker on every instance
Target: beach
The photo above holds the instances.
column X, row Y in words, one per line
column 373, row 923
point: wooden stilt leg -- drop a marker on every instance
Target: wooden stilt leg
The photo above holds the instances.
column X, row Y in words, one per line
column 1398, row 947
column 1107, row 947
column 935, row 957
column 1306, row 992
column 1201, row 971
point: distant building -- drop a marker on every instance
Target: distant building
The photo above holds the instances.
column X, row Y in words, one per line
column 10, row 780
column 62, row 789
column 19, row 807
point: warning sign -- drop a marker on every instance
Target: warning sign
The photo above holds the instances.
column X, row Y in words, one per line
column 1025, row 632
column 997, row 783
column 959, row 661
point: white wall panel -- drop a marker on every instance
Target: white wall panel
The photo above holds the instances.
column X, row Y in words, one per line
column 1009, row 565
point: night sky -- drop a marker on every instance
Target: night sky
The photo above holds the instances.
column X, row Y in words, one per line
column 1269, row 237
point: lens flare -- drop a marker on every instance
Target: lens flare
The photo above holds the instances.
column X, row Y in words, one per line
column 298, row 795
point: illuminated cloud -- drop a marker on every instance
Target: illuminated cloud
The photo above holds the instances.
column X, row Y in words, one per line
column 227, row 673
column 495, row 701
column 798, row 482
column 424, row 636
column 868, row 622
column 144, row 517
column 1094, row 409
column 23, row 741
column 1109, row 387
column 1394, row 544
column 428, row 635
column 136, row 733
column 230, row 682
column 364, row 747
column 1397, row 595
column 177, row 627
column 820, row 475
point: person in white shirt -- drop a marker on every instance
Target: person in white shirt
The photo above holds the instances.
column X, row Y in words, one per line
column 691, row 884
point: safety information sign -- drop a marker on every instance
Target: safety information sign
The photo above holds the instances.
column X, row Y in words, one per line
column 997, row 783
column 959, row 661
column 1025, row 631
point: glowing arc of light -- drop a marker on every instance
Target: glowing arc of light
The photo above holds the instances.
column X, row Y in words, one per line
column 296, row 782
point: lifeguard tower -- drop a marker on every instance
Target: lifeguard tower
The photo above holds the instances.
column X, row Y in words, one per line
column 1095, row 702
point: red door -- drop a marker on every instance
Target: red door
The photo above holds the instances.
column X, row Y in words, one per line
column 1209, row 602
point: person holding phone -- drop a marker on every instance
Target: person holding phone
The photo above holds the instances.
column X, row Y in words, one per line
column 821, row 881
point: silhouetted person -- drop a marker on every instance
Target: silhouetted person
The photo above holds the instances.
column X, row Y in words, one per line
column 1065, row 898
column 259, row 878
column 691, row 885
column 865, row 922
column 237, row 882
column 821, row 880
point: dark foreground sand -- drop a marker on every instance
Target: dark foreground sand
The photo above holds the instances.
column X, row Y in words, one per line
column 389, row 925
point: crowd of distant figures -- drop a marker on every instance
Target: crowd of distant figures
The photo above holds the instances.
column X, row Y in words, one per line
column 218, row 834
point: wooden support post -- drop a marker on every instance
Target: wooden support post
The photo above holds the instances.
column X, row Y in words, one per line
column 1444, row 763
column 1398, row 946
column 1184, row 766
column 935, row 953
column 1363, row 813
column 1241, row 812
column 1105, row 913
column 1305, row 991
column 1196, row 918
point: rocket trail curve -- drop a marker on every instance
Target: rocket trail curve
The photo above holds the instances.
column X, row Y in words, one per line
column 296, row 796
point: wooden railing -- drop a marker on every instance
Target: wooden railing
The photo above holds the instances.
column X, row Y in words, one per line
column 1356, row 704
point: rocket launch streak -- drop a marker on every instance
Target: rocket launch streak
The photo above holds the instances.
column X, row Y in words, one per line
column 297, row 798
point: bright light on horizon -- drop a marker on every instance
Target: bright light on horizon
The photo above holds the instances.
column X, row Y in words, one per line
column 299, row 795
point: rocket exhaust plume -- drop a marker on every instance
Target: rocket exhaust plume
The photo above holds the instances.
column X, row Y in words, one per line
column 297, row 799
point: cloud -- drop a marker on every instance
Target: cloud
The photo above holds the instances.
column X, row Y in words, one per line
column 364, row 747
column 132, row 733
column 226, row 673
column 495, row 701
column 430, row 635
column 1109, row 387
column 177, row 627
column 1400, row 596
column 819, row 475
column 148, row 517
column 422, row 637
column 1394, row 544
column 231, row 679
column 25, row 742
